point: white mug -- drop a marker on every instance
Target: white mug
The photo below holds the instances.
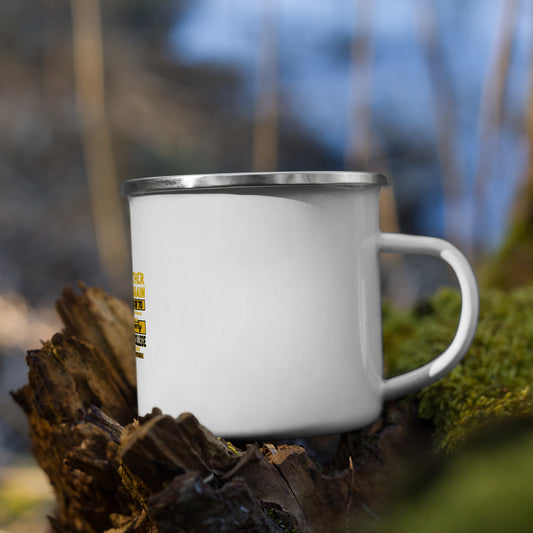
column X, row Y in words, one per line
column 258, row 306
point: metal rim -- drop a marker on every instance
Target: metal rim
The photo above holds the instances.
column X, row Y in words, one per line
column 184, row 183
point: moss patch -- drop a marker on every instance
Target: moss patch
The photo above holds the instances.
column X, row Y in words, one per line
column 485, row 488
column 493, row 380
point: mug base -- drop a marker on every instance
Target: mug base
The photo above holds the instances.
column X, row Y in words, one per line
column 294, row 431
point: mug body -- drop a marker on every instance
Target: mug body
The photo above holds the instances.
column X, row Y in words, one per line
column 258, row 309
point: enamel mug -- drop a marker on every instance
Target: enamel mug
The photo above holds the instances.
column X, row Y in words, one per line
column 257, row 301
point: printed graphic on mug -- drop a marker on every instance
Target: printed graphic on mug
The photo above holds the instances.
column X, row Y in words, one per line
column 139, row 306
column 264, row 290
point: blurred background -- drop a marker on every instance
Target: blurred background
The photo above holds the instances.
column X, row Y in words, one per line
column 435, row 93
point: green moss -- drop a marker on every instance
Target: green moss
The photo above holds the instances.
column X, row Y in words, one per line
column 493, row 379
column 485, row 488
column 510, row 266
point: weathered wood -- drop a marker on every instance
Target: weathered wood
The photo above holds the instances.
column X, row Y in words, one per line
column 66, row 377
column 106, row 323
column 116, row 473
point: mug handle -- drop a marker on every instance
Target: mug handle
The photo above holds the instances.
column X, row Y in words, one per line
column 437, row 368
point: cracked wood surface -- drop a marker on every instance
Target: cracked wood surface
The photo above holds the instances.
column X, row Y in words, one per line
column 112, row 472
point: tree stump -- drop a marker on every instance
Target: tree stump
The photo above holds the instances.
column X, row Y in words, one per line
column 115, row 472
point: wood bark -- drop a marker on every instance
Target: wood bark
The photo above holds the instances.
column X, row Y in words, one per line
column 115, row 472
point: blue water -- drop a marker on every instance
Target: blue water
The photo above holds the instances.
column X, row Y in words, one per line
column 314, row 40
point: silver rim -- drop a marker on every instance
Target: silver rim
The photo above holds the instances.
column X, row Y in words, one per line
column 170, row 184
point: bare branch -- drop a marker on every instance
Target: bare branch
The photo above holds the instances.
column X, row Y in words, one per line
column 96, row 142
column 265, row 147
